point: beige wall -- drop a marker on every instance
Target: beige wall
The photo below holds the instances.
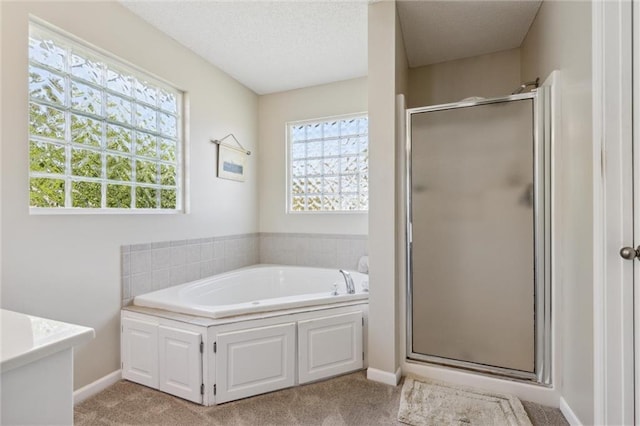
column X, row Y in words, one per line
column 402, row 89
column 275, row 110
column 402, row 63
column 560, row 38
column 67, row 267
column 383, row 333
column 491, row 75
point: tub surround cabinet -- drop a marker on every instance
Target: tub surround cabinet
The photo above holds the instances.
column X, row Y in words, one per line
column 254, row 361
column 163, row 357
column 180, row 354
column 140, row 350
column 210, row 361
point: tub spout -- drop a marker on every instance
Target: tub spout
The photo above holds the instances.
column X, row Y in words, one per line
column 351, row 288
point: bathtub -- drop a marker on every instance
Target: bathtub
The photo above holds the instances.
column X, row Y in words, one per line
column 256, row 289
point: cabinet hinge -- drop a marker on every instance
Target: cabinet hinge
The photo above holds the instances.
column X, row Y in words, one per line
column 202, row 389
column 363, row 322
column 215, row 389
column 201, row 347
column 215, row 347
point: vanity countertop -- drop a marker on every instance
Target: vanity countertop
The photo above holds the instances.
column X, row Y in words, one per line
column 26, row 338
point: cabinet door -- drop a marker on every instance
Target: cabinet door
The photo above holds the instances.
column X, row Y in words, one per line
column 329, row 346
column 259, row 360
column 180, row 363
column 140, row 352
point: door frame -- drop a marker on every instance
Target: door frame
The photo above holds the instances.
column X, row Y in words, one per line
column 542, row 240
column 612, row 47
column 636, row 196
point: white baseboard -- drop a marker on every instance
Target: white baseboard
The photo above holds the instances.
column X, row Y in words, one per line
column 384, row 376
column 96, row 387
column 568, row 413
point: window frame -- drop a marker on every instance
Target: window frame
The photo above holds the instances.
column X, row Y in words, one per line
column 90, row 51
column 289, row 172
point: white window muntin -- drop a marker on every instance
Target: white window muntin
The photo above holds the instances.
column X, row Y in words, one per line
column 64, row 70
column 351, row 201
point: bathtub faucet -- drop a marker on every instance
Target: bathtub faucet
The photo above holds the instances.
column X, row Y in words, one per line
column 351, row 288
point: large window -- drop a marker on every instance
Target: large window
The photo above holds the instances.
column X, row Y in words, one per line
column 102, row 135
column 329, row 165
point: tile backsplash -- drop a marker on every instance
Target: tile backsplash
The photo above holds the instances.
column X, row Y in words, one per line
column 320, row 250
column 154, row 266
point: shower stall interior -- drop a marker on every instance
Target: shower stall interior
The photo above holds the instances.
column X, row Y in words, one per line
column 478, row 227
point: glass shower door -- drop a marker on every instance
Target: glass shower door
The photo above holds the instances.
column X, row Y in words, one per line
column 472, row 251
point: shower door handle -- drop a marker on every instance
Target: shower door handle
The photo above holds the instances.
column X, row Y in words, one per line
column 629, row 253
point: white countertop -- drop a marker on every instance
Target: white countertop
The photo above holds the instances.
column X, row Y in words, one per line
column 25, row 338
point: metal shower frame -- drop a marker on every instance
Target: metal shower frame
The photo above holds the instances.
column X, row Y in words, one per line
column 542, row 241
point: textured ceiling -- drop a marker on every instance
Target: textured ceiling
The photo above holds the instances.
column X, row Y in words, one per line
column 438, row 31
column 269, row 46
column 276, row 45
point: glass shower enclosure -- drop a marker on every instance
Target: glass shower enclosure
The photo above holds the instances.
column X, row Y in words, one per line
column 478, row 227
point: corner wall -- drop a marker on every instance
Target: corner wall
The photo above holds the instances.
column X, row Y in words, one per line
column 402, row 90
column 275, row 110
column 560, row 38
column 386, row 75
column 492, row 75
column 67, row 267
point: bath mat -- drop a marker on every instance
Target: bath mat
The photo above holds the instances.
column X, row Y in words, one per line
column 427, row 402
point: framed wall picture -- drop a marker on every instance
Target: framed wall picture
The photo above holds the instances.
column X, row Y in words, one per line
column 231, row 163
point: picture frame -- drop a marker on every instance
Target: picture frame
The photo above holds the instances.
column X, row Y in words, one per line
column 231, row 163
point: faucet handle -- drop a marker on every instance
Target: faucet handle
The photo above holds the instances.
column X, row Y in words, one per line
column 335, row 289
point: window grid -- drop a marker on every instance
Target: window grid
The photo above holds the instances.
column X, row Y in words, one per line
column 328, row 165
column 130, row 119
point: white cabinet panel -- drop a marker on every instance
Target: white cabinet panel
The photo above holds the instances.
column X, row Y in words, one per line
column 329, row 346
column 250, row 362
column 140, row 352
column 180, row 363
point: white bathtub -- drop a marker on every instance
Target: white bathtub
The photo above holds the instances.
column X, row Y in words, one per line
column 258, row 288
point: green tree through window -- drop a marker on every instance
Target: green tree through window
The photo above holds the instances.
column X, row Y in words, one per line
column 329, row 165
column 101, row 134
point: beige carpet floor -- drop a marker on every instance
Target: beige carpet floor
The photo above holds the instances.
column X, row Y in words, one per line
column 345, row 400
